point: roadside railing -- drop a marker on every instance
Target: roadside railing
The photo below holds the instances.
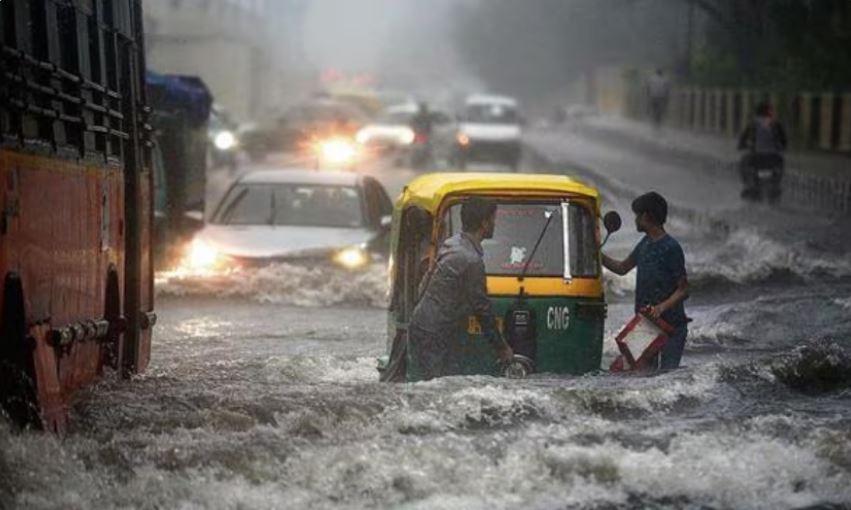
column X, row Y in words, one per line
column 814, row 121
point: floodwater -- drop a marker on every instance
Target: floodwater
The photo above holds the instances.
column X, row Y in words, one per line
column 263, row 393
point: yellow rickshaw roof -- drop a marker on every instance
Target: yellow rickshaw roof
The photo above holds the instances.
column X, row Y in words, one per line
column 428, row 191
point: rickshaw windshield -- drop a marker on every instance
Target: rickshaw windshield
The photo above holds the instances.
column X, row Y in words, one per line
column 518, row 226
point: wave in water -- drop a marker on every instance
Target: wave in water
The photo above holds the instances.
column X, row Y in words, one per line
column 285, row 284
column 748, row 256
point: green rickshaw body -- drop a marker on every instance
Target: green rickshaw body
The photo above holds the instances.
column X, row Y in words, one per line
column 560, row 294
column 569, row 336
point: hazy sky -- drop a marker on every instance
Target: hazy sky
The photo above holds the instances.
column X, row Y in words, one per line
column 403, row 44
column 352, row 34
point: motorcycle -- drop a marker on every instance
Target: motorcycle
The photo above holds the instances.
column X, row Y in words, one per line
column 420, row 152
column 762, row 175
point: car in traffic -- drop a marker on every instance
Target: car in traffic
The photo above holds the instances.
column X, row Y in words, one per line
column 302, row 216
column 391, row 132
column 490, row 131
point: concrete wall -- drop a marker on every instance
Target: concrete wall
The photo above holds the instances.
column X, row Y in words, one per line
column 225, row 42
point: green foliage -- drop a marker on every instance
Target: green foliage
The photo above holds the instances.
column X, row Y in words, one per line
column 711, row 67
column 533, row 47
column 779, row 44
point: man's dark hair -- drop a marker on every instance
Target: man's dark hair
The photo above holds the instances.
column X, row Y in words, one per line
column 652, row 204
column 475, row 211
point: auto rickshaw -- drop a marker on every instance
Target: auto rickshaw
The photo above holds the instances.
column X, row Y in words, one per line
column 543, row 269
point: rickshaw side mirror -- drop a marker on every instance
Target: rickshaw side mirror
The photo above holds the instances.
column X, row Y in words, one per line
column 612, row 222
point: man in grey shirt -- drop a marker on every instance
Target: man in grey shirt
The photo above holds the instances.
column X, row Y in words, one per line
column 453, row 290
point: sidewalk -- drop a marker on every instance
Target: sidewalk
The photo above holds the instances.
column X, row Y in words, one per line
column 813, row 180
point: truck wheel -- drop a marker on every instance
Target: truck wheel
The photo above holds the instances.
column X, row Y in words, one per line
column 112, row 314
column 18, row 396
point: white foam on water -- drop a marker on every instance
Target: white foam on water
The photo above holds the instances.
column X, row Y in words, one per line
column 451, row 443
column 546, row 468
column 656, row 392
column 321, row 369
column 288, row 284
column 844, row 303
column 735, row 471
column 617, row 285
column 716, row 326
column 494, row 405
column 748, row 255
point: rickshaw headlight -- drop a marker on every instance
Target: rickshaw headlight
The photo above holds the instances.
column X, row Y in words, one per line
column 354, row 257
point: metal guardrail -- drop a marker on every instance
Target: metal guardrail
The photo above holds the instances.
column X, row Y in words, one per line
column 820, row 121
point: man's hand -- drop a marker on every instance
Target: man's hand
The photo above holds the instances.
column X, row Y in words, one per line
column 504, row 352
column 679, row 295
column 657, row 311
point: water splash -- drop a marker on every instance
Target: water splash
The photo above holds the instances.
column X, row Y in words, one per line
column 286, row 284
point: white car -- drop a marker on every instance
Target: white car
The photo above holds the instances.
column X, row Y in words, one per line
column 391, row 129
column 294, row 215
column 489, row 130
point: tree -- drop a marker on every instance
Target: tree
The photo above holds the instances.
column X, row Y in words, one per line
column 781, row 43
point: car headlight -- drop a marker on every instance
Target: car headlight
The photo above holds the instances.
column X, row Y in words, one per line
column 352, row 258
column 407, row 136
column 225, row 141
column 202, row 258
column 337, row 152
column 363, row 137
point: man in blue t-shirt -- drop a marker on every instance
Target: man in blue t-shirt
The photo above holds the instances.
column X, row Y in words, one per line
column 662, row 284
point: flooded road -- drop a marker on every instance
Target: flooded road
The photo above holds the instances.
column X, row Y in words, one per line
column 263, row 393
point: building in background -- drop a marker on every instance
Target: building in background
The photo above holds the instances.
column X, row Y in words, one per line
column 240, row 48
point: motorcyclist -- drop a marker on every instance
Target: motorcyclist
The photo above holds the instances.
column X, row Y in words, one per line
column 422, row 124
column 765, row 138
column 422, row 121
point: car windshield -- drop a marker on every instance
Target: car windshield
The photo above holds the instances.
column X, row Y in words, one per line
column 292, row 205
column 517, row 229
column 491, row 114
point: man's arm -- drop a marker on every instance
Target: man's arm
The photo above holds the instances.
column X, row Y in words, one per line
column 619, row 267
column 477, row 295
column 679, row 295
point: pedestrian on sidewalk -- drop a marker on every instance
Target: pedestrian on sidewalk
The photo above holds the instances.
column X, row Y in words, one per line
column 765, row 140
column 662, row 283
column 658, row 94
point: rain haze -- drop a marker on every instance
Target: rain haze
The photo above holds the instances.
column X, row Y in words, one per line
column 415, row 254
